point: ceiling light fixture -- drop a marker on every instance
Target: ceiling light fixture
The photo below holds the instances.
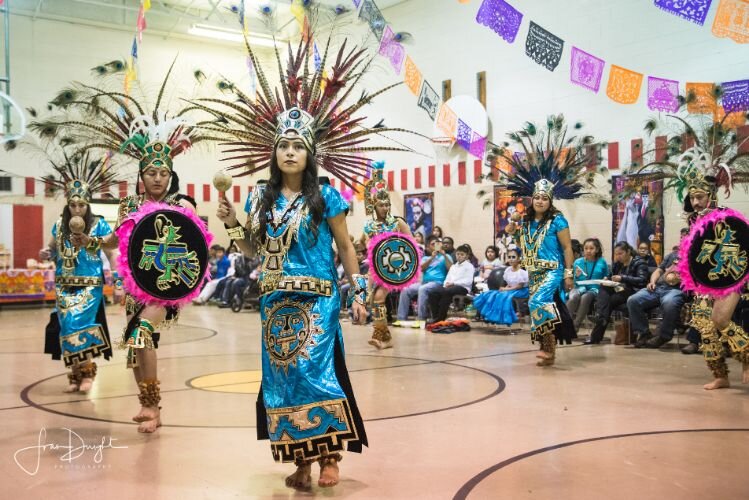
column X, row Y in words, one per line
column 230, row 35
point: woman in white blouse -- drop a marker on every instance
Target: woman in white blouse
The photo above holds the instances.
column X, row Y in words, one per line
column 458, row 282
column 495, row 306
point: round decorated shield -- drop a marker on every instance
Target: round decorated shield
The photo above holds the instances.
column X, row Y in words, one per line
column 163, row 254
column 714, row 256
column 394, row 260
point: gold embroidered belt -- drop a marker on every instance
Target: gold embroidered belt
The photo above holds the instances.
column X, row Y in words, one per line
column 303, row 284
column 78, row 280
column 538, row 264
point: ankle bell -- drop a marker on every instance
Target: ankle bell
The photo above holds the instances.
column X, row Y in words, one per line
column 150, row 393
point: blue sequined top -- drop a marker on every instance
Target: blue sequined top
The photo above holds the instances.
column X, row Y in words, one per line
column 550, row 247
column 307, row 256
column 87, row 263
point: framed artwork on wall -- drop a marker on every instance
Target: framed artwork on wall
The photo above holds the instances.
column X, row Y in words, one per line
column 505, row 205
column 419, row 212
column 637, row 213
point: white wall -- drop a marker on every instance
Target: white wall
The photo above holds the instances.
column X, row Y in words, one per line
column 448, row 44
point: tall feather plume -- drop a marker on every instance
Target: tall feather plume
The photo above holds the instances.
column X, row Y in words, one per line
column 549, row 153
column 722, row 154
column 340, row 136
column 99, row 118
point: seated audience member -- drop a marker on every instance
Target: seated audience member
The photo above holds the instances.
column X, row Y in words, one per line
column 437, row 232
column 458, row 281
column 663, row 290
column 643, row 250
column 236, row 284
column 471, row 257
column 591, row 266
column 448, row 245
column 577, row 249
column 419, row 237
column 630, row 273
column 434, row 270
column 222, row 268
column 495, row 306
column 490, row 263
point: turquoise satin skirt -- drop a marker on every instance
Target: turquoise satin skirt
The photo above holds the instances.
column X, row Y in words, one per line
column 82, row 336
column 307, row 402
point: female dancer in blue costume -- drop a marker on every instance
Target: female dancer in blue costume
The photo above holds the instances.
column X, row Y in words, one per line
column 547, row 249
column 77, row 329
column 306, row 405
column 153, row 138
column 495, row 306
column 552, row 166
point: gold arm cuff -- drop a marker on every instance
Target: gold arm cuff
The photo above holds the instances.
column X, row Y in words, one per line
column 236, row 233
column 94, row 245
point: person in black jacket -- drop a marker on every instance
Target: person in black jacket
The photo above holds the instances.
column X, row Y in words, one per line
column 631, row 273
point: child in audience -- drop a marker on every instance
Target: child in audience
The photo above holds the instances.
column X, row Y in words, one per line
column 496, row 306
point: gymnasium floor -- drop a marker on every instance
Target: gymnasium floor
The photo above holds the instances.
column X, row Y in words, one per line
column 466, row 415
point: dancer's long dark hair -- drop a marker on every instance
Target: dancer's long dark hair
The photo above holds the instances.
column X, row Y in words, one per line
column 310, row 189
column 89, row 218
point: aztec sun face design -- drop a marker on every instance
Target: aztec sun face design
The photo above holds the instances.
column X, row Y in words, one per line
column 290, row 327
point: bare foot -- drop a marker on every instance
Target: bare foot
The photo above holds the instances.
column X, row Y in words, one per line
column 71, row 388
column 150, row 419
column 387, row 344
column 545, row 362
column 745, row 374
column 142, row 415
column 149, row 426
column 543, row 355
column 375, row 343
column 86, row 384
column 328, row 474
column 718, row 383
column 301, row 479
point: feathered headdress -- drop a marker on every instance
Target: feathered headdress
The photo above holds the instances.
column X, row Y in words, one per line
column 376, row 188
column 549, row 161
column 307, row 104
column 80, row 176
column 115, row 121
column 704, row 158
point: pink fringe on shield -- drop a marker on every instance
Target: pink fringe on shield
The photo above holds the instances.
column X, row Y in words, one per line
column 687, row 282
column 370, row 255
column 123, row 233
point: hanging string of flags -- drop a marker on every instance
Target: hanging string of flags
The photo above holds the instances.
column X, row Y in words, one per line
column 624, row 85
column 131, row 73
column 731, row 19
column 392, row 49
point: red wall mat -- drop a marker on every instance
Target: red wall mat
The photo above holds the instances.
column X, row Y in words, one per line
column 28, row 233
